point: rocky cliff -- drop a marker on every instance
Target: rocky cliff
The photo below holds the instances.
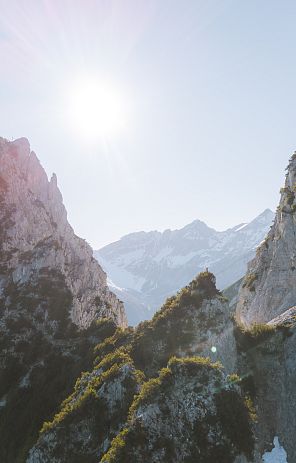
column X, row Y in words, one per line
column 269, row 287
column 53, row 298
column 36, row 237
column 266, row 315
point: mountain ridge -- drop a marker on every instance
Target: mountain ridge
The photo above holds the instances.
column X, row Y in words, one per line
column 146, row 267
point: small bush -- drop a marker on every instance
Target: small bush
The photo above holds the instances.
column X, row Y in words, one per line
column 249, row 337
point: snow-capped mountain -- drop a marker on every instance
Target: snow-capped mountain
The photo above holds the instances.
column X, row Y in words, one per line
column 144, row 268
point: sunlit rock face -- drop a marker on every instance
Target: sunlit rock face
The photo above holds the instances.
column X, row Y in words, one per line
column 269, row 287
column 36, row 238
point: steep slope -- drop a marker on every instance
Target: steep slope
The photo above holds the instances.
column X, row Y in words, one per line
column 146, row 268
column 269, row 287
column 267, row 360
column 36, row 236
column 266, row 317
column 186, row 409
column 52, row 292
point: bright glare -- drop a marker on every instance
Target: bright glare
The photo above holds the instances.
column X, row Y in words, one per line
column 95, row 109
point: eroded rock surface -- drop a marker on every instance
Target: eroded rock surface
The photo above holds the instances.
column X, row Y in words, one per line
column 269, row 288
column 36, row 237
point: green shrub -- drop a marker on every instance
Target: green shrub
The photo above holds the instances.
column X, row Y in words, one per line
column 250, row 337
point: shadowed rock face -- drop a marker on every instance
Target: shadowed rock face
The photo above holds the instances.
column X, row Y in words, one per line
column 270, row 362
column 36, row 237
column 269, row 287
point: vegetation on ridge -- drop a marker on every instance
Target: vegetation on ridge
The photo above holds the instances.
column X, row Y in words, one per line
column 144, row 365
column 228, row 418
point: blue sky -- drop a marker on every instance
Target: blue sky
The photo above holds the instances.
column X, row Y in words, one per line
column 209, row 89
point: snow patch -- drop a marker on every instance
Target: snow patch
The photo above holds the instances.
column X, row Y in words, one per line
column 277, row 455
column 121, row 277
column 241, row 227
column 113, row 285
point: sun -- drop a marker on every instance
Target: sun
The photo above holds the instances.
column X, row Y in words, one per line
column 95, row 109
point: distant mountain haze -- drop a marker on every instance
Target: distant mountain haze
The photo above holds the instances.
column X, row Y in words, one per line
column 144, row 268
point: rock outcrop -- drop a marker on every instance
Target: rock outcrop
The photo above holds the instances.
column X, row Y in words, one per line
column 191, row 412
column 187, row 408
column 36, row 237
column 269, row 287
column 267, row 362
column 266, row 317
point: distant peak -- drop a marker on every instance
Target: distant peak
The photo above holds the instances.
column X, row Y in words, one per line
column 267, row 214
column 197, row 224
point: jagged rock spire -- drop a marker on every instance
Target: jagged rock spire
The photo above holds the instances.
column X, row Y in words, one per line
column 33, row 222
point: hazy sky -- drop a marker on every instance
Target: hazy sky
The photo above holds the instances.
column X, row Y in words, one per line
column 207, row 90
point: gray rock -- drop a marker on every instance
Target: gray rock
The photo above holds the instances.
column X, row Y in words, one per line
column 36, row 235
column 269, row 287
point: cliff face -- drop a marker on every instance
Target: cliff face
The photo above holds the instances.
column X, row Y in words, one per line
column 266, row 313
column 36, row 238
column 268, row 363
column 269, row 287
column 53, row 300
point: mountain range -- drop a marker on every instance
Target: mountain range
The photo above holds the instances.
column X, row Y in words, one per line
column 145, row 268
